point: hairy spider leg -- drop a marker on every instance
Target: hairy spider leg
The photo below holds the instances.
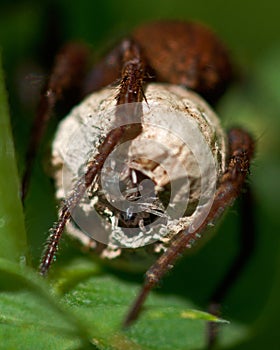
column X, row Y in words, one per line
column 241, row 149
column 69, row 68
column 247, row 242
column 130, row 90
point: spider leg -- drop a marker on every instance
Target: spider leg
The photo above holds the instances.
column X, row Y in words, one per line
column 130, row 90
column 241, row 149
column 68, row 69
column 247, row 238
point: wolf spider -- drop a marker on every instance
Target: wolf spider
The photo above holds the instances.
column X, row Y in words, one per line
column 181, row 53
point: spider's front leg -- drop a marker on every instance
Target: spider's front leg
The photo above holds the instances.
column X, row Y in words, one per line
column 241, row 150
column 130, row 90
column 67, row 75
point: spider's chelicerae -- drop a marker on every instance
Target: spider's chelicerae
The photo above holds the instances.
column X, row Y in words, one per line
column 143, row 164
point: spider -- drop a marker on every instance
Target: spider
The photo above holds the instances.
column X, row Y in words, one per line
column 165, row 62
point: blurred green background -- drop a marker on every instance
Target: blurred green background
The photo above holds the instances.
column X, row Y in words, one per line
column 30, row 34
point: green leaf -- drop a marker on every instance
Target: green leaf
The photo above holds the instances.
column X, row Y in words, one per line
column 104, row 301
column 12, row 232
column 31, row 313
column 90, row 313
